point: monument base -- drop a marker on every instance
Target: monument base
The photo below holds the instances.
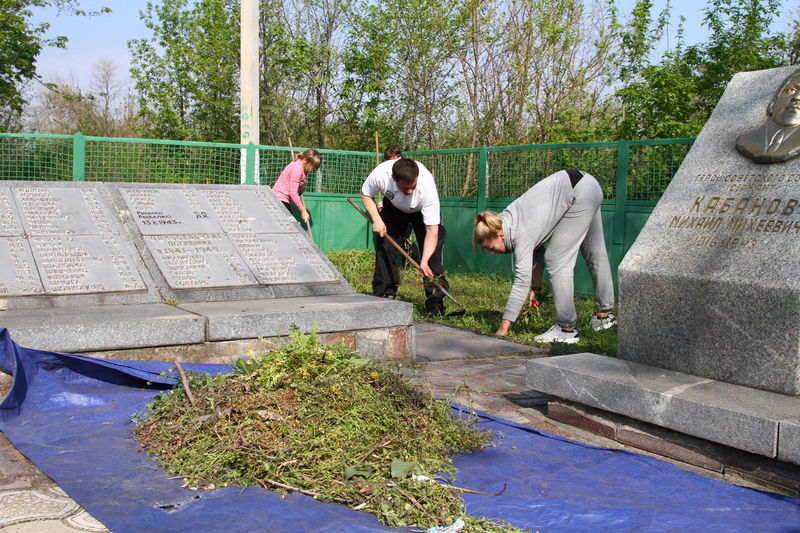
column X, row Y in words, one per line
column 381, row 329
column 389, row 344
column 752, row 420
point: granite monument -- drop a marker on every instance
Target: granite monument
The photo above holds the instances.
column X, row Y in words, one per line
column 711, row 287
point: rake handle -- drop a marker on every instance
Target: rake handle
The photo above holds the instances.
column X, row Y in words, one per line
column 394, row 243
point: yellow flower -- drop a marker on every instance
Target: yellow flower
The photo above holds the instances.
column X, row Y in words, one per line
column 373, row 374
column 335, row 389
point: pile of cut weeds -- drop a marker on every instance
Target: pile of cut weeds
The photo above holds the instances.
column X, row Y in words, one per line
column 322, row 421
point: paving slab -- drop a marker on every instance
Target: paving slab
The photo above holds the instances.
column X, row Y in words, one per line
column 108, row 327
column 741, row 417
column 437, row 342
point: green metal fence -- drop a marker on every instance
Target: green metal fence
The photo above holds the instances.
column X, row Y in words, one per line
column 633, row 174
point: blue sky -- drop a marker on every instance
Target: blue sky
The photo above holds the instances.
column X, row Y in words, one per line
column 106, row 37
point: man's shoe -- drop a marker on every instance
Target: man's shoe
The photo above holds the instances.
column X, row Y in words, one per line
column 556, row 334
column 599, row 324
column 436, row 310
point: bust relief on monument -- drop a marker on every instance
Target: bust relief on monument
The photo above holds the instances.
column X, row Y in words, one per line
column 778, row 140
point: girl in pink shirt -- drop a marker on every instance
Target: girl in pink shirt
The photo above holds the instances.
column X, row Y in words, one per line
column 292, row 181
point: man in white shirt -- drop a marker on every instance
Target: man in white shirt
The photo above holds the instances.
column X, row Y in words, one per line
column 410, row 197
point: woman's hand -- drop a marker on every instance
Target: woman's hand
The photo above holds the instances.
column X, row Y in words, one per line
column 532, row 300
column 503, row 329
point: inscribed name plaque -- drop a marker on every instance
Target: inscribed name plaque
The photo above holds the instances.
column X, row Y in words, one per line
column 57, row 240
column 281, row 258
column 711, row 285
column 18, row 275
column 61, row 211
column 199, row 260
column 222, row 237
column 84, row 263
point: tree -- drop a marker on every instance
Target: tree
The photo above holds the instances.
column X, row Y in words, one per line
column 186, row 74
column 105, row 109
column 535, row 70
column 415, row 55
column 675, row 97
column 21, row 42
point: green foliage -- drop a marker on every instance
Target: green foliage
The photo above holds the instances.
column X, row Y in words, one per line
column 675, row 97
column 320, row 420
column 484, row 297
column 21, row 42
column 187, row 72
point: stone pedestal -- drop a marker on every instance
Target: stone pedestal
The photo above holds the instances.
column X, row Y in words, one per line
column 711, row 287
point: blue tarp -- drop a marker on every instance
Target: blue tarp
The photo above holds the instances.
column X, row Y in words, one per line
column 70, row 415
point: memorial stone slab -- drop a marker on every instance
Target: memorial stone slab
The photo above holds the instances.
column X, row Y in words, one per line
column 711, row 287
column 789, row 440
column 218, row 242
column 18, row 275
column 63, row 245
column 10, row 224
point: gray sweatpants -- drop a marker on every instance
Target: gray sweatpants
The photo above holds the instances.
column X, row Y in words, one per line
column 581, row 228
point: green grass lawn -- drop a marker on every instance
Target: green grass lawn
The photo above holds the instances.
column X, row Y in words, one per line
column 484, row 297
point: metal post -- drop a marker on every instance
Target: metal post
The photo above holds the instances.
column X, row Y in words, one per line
column 482, row 194
column 250, row 165
column 620, row 194
column 249, row 127
column 78, row 156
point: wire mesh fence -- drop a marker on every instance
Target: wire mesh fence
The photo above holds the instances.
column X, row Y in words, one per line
column 131, row 161
column 651, row 167
column 36, row 157
column 456, row 171
column 512, row 170
column 502, row 172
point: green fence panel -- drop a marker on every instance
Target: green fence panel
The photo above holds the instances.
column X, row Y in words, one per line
column 457, row 216
column 335, row 225
column 153, row 161
column 35, row 157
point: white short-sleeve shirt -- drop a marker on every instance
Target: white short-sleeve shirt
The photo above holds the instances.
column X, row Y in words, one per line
column 424, row 198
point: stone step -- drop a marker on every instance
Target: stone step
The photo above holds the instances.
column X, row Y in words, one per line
column 120, row 327
column 106, row 327
column 747, row 419
column 248, row 319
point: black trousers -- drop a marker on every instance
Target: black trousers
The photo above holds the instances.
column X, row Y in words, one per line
column 387, row 277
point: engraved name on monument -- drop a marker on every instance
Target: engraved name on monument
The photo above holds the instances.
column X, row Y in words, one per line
column 18, row 275
column 225, row 237
column 737, row 207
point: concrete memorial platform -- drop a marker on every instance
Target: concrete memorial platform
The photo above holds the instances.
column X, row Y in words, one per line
column 115, row 266
column 709, row 313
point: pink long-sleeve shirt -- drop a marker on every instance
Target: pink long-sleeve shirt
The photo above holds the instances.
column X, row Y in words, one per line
column 291, row 182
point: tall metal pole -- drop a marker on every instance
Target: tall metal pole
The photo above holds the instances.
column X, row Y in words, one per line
column 248, row 127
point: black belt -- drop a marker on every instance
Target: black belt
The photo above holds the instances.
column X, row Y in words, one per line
column 574, row 177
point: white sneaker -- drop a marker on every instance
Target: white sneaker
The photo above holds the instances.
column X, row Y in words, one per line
column 556, row 334
column 599, row 324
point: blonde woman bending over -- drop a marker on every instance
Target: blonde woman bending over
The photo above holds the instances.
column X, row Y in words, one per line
column 562, row 211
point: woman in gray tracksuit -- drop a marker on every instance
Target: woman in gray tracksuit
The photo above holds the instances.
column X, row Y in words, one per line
column 562, row 211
